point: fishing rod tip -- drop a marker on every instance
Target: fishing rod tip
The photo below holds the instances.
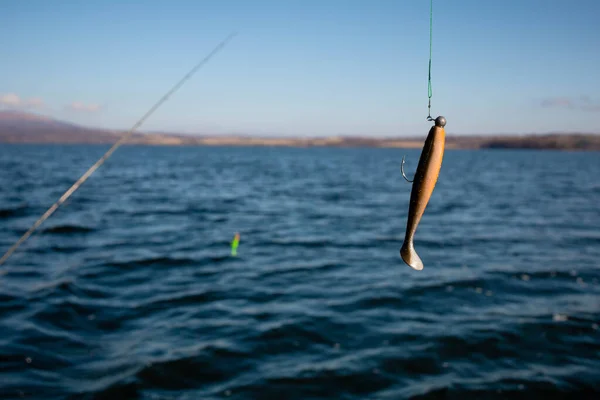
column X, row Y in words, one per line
column 440, row 121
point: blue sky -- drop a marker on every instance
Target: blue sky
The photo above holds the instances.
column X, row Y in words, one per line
column 310, row 67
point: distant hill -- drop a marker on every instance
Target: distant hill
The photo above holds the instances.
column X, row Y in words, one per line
column 22, row 127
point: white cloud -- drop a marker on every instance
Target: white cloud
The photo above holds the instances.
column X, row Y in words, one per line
column 12, row 100
column 79, row 106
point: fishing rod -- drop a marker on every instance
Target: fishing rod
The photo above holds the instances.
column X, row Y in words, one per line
column 110, row 151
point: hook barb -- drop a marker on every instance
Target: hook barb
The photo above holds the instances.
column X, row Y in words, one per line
column 402, row 169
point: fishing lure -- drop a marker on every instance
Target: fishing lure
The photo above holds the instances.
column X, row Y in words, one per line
column 234, row 244
column 424, row 182
column 426, row 175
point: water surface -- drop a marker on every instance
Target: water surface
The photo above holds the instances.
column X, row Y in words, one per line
column 129, row 290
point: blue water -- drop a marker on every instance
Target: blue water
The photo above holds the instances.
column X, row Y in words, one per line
column 129, row 290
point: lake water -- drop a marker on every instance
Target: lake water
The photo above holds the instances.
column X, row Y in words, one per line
column 130, row 291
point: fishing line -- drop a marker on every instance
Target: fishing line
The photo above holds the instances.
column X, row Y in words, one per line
column 429, row 90
column 106, row 155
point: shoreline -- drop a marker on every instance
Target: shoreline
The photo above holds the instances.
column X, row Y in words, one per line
column 28, row 128
column 579, row 142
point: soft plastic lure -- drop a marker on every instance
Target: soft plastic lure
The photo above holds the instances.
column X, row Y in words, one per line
column 424, row 182
column 427, row 173
column 234, row 244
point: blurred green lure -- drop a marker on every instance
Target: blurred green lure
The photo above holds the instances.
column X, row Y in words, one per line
column 234, row 244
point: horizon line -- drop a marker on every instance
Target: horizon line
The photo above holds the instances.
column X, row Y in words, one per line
column 174, row 132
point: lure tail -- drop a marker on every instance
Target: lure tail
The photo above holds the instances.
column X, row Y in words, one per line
column 410, row 256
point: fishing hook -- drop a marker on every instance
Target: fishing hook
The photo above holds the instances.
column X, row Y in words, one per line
column 402, row 169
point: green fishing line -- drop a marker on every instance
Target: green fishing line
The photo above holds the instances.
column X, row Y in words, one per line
column 429, row 90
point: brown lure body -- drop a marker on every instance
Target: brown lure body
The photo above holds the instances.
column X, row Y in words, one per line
column 424, row 182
